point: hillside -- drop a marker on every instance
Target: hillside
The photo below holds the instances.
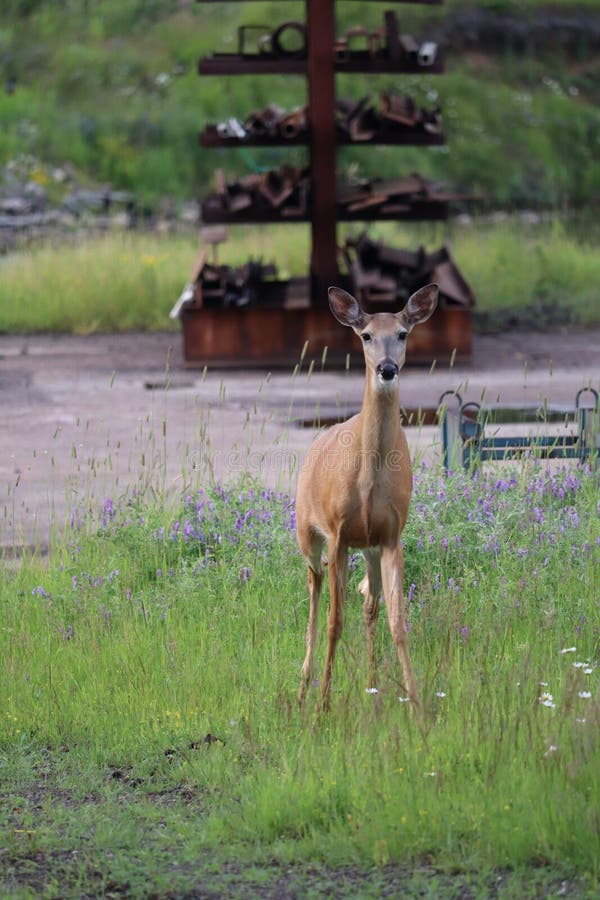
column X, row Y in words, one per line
column 94, row 94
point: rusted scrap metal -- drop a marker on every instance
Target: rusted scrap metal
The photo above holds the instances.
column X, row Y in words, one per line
column 264, row 121
column 355, row 40
column 275, row 122
column 294, row 124
column 357, row 120
column 280, row 37
column 286, row 192
column 394, row 45
column 223, row 286
column 278, row 185
column 271, row 123
column 358, row 48
column 289, row 40
column 384, row 274
column 402, row 110
column 260, row 35
column 397, row 116
column 274, row 42
column 386, row 43
column 387, row 197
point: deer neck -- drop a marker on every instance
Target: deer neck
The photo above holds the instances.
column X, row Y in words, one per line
column 379, row 427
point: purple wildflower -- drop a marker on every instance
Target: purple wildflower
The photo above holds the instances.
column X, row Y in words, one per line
column 108, row 512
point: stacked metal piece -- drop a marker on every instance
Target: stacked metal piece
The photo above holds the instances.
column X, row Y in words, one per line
column 397, row 117
column 219, row 285
column 286, row 193
column 289, row 41
column 388, row 275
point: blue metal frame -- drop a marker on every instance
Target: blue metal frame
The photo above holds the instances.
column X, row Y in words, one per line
column 464, row 441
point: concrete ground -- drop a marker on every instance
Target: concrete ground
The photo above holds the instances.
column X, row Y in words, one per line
column 85, row 418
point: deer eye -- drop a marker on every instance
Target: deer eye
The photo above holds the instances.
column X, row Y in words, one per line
column 402, row 335
column 366, row 336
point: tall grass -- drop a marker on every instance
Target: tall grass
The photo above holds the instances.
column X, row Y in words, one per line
column 156, row 654
column 113, row 283
column 533, row 277
column 119, row 282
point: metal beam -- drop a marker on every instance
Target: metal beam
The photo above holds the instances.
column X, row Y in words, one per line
column 321, row 102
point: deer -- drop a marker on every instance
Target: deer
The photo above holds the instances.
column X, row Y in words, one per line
column 354, row 490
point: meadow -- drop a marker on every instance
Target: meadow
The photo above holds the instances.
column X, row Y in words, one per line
column 150, row 742
column 529, row 275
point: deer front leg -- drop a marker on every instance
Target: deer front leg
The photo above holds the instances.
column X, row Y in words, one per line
column 370, row 588
column 338, row 576
column 392, row 571
column 315, row 581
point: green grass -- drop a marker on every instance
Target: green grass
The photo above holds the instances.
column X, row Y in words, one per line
column 537, row 276
column 149, row 737
column 114, row 92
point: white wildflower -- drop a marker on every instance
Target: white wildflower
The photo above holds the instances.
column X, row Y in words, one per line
column 371, row 690
column 585, row 695
column 440, row 693
column 547, row 699
column 569, row 650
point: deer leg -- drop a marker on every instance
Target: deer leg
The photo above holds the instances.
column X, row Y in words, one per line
column 392, row 571
column 315, row 582
column 370, row 588
column 338, row 575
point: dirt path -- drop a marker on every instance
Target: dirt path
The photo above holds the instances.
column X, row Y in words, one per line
column 84, row 418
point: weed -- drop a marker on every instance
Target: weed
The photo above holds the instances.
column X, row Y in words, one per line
column 150, row 667
column 536, row 276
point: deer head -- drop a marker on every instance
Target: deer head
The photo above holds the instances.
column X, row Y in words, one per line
column 383, row 335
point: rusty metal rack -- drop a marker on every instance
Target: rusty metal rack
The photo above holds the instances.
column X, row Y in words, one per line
column 281, row 317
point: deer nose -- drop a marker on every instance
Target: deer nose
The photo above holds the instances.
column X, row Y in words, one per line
column 387, row 370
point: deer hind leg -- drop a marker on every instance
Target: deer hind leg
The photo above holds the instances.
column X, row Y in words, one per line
column 338, row 576
column 315, row 582
column 370, row 588
column 392, row 571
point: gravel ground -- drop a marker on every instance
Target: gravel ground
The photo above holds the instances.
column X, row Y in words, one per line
column 82, row 418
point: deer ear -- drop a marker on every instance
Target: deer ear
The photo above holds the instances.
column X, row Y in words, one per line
column 420, row 306
column 345, row 308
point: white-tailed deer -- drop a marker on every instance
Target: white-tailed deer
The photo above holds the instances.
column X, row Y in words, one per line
column 354, row 490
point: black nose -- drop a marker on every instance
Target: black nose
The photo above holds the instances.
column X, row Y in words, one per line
column 387, row 371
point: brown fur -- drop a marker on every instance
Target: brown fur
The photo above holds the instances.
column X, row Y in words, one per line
column 354, row 490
